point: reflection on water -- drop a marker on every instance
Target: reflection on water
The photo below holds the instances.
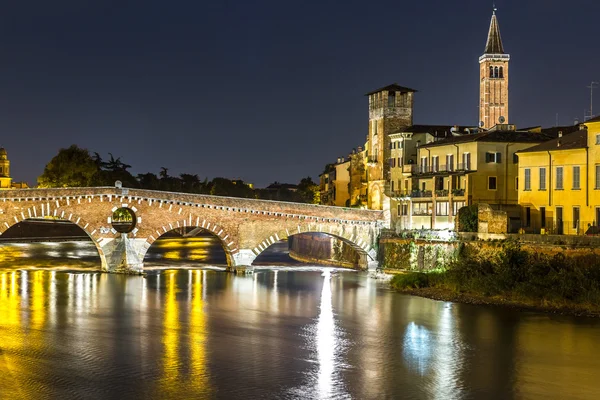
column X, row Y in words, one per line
column 276, row 334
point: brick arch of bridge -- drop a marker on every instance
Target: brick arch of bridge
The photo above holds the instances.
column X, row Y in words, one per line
column 222, row 233
column 355, row 240
column 31, row 213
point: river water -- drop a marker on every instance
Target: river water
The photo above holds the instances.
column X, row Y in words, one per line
column 288, row 332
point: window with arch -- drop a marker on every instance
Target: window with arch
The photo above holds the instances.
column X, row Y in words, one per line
column 491, row 72
column 495, row 72
column 501, row 72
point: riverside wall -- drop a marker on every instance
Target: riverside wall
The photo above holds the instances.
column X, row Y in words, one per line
column 320, row 248
column 420, row 254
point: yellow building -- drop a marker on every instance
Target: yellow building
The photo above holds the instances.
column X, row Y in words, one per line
column 560, row 183
column 467, row 169
column 5, row 179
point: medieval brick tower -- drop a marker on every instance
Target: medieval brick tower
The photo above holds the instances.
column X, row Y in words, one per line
column 390, row 109
column 493, row 82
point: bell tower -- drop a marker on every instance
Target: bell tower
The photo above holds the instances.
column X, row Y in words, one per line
column 493, row 79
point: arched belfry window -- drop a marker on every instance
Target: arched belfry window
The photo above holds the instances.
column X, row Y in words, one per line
column 495, row 72
column 501, row 72
column 491, row 72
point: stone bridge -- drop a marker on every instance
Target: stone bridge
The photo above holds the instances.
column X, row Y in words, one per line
column 245, row 227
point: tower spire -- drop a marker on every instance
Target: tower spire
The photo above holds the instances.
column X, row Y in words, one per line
column 494, row 41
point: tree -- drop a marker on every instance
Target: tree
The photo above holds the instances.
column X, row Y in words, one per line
column 148, row 181
column 309, row 190
column 190, row 183
column 113, row 170
column 71, row 167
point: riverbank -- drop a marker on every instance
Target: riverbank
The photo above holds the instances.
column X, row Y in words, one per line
column 507, row 275
column 447, row 294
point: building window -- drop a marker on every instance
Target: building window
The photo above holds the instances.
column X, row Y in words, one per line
column 542, row 178
column 466, row 161
column 576, row 218
column 491, row 72
column 492, row 183
column 598, row 138
column 422, row 208
column 543, row 217
column 392, row 183
column 441, row 208
column 435, row 163
column 559, row 178
column 493, row 158
column 450, row 162
column 424, row 165
column 457, row 205
column 597, row 177
column 404, row 209
column 527, row 217
column 515, row 158
column 527, row 185
column 391, row 99
column 501, row 72
column 576, row 178
column 517, row 183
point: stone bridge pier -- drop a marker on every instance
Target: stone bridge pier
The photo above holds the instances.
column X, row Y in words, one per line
column 245, row 227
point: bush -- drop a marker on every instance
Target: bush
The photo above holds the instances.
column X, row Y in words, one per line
column 468, row 219
column 411, row 280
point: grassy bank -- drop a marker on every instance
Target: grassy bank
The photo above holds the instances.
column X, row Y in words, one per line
column 511, row 276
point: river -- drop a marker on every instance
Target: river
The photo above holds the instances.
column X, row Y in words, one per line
column 285, row 332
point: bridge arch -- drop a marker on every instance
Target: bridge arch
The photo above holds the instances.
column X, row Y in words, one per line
column 74, row 219
column 347, row 236
column 225, row 238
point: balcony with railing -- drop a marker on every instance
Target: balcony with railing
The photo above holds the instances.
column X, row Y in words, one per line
column 464, row 167
column 441, row 193
column 421, row 193
column 433, row 169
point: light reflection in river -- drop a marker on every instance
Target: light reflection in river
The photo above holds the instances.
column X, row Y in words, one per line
column 282, row 333
column 326, row 340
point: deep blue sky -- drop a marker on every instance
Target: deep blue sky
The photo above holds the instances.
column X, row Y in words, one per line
column 268, row 90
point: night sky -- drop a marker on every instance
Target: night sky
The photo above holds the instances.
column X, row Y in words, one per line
column 269, row 90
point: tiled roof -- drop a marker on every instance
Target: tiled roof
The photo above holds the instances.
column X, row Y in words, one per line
column 494, row 41
column 394, row 87
column 566, row 130
column 439, row 131
column 575, row 140
column 597, row 119
column 492, row 136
